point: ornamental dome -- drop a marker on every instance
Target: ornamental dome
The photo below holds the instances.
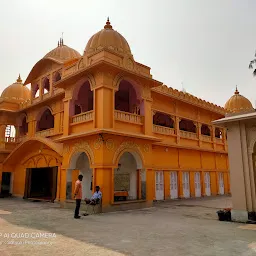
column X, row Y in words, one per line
column 16, row 91
column 238, row 104
column 62, row 53
column 110, row 39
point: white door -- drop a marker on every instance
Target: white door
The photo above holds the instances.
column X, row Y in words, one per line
column 185, row 185
column 221, row 184
column 174, row 185
column 207, row 182
column 159, row 185
column 197, row 184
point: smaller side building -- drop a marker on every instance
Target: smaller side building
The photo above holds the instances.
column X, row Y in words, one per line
column 241, row 135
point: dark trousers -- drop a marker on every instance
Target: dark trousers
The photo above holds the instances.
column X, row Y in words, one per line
column 78, row 202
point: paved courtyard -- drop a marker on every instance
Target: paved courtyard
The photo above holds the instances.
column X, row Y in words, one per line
column 184, row 227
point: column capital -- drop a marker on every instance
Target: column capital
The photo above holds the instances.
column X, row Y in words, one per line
column 67, row 99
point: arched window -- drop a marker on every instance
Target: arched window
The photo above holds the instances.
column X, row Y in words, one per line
column 126, row 99
column 205, row 130
column 10, row 133
column 163, row 120
column 218, row 133
column 23, row 128
column 46, row 85
column 83, row 99
column 57, row 77
column 35, row 90
column 46, row 121
column 187, row 125
column 78, row 110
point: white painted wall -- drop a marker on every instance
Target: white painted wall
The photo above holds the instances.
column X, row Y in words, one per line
column 129, row 166
column 83, row 166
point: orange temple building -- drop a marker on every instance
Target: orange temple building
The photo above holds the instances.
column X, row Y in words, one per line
column 102, row 114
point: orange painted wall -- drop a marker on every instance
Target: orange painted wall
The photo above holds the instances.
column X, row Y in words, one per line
column 165, row 159
column 157, row 151
column 208, row 161
column 19, row 180
column 189, row 159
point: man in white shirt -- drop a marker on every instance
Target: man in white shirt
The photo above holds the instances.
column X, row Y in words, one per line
column 96, row 197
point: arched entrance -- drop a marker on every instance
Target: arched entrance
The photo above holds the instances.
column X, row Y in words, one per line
column 79, row 164
column 129, row 178
column 35, row 164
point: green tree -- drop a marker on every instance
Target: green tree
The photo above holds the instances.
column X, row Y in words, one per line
column 252, row 65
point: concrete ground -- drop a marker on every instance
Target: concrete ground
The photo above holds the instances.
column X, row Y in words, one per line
column 183, row 227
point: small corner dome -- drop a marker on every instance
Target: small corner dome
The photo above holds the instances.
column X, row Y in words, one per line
column 110, row 39
column 16, row 91
column 238, row 104
column 62, row 53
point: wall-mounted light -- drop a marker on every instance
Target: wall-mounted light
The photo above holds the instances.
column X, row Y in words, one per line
column 119, row 165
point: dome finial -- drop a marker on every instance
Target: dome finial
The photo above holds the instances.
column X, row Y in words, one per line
column 19, row 79
column 236, row 92
column 62, row 41
column 108, row 25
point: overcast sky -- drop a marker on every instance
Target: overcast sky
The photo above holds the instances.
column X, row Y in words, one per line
column 206, row 44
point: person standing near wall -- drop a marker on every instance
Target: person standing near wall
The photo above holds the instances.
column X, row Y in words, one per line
column 78, row 195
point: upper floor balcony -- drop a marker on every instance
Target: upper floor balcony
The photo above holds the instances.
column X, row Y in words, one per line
column 174, row 129
column 125, row 121
column 126, row 112
column 82, row 122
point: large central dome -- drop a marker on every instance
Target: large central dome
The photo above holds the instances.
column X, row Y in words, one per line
column 110, row 39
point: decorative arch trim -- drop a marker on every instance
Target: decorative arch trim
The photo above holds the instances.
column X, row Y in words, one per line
column 77, row 148
column 21, row 117
column 35, row 72
column 132, row 148
column 77, row 152
column 35, row 159
column 80, row 83
column 58, row 148
column 41, row 112
column 121, row 77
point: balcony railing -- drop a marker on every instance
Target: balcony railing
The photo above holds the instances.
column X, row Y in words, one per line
column 83, row 117
column 57, row 90
column 219, row 141
column 128, row 117
column 45, row 133
column 163, row 130
column 206, row 138
column 189, row 135
column 36, row 100
column 10, row 139
column 46, row 95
